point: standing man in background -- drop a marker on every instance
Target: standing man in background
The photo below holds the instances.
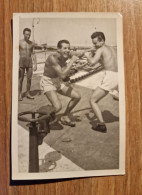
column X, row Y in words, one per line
column 26, row 63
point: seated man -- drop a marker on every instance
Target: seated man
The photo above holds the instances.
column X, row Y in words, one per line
column 107, row 57
column 55, row 71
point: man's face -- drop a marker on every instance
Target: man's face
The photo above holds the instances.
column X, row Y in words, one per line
column 27, row 35
column 97, row 43
column 64, row 50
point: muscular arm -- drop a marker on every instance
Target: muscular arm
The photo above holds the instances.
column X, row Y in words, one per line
column 95, row 59
column 62, row 73
column 81, row 53
column 33, row 56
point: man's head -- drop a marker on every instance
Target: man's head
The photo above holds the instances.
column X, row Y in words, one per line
column 98, row 39
column 27, row 33
column 63, row 47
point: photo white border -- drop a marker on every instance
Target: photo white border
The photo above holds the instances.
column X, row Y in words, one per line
column 122, row 122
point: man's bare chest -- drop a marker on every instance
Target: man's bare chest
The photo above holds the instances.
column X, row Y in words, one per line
column 26, row 46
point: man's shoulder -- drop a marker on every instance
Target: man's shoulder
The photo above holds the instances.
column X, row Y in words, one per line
column 108, row 49
column 104, row 48
column 53, row 57
column 101, row 49
column 30, row 42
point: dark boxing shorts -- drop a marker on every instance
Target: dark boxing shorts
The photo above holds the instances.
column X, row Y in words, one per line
column 25, row 62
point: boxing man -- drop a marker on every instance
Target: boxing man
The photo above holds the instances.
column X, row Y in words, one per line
column 55, row 71
column 107, row 57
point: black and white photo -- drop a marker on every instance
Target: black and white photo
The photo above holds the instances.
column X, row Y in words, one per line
column 68, row 95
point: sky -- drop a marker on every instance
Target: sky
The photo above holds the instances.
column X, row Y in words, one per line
column 76, row 30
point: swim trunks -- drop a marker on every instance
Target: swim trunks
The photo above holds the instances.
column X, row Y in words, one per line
column 109, row 81
column 50, row 84
column 25, row 62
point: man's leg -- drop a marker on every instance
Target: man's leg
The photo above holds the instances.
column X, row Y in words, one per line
column 54, row 100
column 29, row 80
column 20, row 82
column 75, row 98
column 97, row 95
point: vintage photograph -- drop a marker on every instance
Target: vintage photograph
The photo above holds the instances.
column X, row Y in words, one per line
column 68, row 95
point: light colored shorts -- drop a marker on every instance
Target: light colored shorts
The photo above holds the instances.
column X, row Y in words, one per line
column 50, row 84
column 109, row 81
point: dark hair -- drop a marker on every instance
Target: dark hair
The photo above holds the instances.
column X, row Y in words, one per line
column 59, row 45
column 26, row 29
column 100, row 36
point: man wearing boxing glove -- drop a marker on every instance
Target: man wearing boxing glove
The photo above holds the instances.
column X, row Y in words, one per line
column 107, row 56
column 56, row 70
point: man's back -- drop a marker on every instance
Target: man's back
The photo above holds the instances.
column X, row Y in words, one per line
column 109, row 58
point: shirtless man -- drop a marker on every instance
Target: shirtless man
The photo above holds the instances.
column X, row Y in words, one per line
column 55, row 71
column 25, row 62
column 107, row 57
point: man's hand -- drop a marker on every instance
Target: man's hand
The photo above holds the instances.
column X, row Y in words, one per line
column 88, row 68
column 74, row 58
column 88, row 54
column 92, row 49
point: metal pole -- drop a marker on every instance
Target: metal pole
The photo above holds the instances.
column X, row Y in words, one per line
column 33, row 29
column 33, row 25
column 33, row 147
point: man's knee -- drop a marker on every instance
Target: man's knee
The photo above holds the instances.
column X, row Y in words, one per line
column 93, row 99
column 77, row 97
column 29, row 79
column 21, row 74
column 57, row 107
column 29, row 74
column 21, row 80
